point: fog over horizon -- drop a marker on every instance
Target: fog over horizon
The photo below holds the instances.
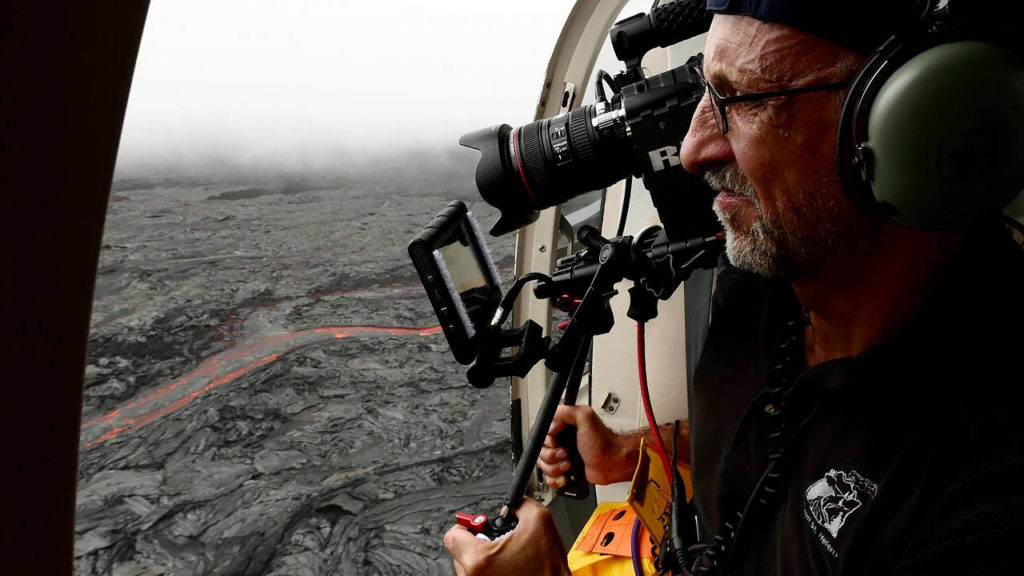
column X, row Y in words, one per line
column 329, row 86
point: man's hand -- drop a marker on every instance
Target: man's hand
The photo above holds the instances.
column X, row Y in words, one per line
column 609, row 458
column 534, row 547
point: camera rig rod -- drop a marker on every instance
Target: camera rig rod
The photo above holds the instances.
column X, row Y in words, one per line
column 560, row 382
column 566, row 360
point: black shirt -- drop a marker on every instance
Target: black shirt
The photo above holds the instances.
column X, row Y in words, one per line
column 907, row 458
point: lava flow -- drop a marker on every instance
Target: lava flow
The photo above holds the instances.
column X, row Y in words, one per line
column 221, row 369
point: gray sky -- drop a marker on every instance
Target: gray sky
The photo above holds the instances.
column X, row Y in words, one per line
column 257, row 81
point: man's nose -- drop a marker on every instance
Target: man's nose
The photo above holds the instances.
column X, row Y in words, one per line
column 705, row 145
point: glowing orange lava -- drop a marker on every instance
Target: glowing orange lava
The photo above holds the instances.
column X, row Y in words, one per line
column 221, row 369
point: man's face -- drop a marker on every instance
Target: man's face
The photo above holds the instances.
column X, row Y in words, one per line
column 780, row 198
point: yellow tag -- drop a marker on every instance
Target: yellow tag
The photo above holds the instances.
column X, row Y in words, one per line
column 650, row 493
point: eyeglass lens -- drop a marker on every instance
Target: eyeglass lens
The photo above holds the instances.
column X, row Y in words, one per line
column 717, row 109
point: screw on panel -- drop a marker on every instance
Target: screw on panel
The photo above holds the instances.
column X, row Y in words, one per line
column 611, row 403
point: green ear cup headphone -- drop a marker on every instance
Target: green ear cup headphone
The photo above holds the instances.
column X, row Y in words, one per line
column 932, row 132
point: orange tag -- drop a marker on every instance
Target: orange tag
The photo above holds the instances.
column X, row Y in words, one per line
column 589, row 540
column 615, row 536
column 593, row 555
column 611, row 533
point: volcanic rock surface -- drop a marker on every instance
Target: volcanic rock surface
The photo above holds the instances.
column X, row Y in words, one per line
column 265, row 391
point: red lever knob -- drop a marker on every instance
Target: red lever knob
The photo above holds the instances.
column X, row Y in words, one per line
column 475, row 523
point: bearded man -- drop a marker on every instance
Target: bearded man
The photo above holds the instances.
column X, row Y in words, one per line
column 854, row 405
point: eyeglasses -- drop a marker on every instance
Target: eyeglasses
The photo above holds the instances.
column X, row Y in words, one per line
column 719, row 102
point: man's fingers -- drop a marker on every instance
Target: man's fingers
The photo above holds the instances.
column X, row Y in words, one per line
column 553, row 455
column 564, row 416
column 555, row 482
column 554, row 470
column 460, row 543
column 531, row 513
column 553, row 462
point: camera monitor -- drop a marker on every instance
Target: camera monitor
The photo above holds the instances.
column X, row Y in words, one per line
column 460, row 279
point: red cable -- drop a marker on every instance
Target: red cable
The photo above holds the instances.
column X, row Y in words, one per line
column 645, row 394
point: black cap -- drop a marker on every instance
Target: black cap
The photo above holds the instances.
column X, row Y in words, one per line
column 862, row 25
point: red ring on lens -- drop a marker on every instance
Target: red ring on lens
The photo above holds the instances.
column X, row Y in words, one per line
column 519, row 163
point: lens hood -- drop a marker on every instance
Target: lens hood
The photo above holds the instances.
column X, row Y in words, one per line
column 498, row 179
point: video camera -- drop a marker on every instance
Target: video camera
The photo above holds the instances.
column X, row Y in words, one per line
column 635, row 132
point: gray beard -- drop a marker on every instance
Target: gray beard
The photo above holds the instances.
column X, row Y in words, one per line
column 774, row 246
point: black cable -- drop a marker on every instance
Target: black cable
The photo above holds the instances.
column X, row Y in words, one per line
column 677, row 537
column 624, row 210
column 602, row 78
column 590, row 378
column 1014, row 223
column 599, row 88
column 763, row 491
column 570, row 243
column 599, row 93
column 790, row 421
column 510, row 297
column 675, row 443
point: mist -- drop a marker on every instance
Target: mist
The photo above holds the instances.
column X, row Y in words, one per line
column 263, row 85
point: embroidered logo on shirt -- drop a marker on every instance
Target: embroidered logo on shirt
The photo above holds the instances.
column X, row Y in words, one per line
column 831, row 500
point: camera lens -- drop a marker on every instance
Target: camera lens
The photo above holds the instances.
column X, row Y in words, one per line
column 526, row 169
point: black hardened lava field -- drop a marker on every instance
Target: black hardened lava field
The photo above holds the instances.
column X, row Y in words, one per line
column 267, row 392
